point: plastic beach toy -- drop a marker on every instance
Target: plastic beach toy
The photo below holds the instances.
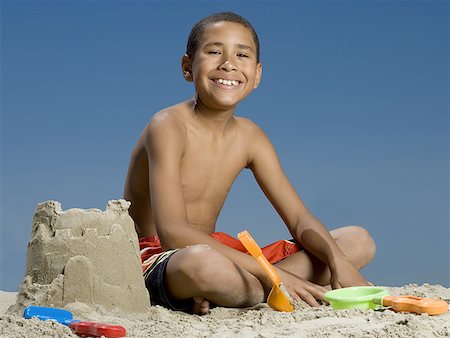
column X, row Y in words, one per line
column 92, row 329
column 85, row 329
column 373, row 297
column 49, row 313
column 277, row 299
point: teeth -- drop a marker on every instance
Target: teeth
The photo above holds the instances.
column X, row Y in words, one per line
column 228, row 82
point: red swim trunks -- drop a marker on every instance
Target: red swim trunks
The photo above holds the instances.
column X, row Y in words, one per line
column 155, row 260
column 151, row 248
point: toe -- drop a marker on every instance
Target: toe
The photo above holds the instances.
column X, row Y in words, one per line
column 200, row 306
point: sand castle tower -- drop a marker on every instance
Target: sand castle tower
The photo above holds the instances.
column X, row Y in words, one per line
column 84, row 256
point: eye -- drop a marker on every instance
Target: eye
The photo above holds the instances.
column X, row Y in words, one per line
column 242, row 55
column 214, row 52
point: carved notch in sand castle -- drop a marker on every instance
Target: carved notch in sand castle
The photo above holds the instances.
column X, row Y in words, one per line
column 88, row 256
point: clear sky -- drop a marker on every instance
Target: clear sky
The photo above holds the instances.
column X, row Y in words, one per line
column 354, row 96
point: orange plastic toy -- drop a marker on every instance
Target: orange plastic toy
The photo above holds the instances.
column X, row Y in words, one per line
column 416, row 304
column 277, row 299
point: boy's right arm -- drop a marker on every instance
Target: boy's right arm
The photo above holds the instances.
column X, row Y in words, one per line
column 164, row 142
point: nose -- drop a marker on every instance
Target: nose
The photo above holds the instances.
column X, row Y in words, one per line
column 228, row 66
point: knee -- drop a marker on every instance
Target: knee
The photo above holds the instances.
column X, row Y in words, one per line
column 200, row 265
column 209, row 272
column 363, row 246
column 197, row 261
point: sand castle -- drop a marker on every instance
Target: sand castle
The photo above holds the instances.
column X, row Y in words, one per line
column 83, row 256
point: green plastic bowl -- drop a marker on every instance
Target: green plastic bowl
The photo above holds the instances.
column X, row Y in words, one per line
column 356, row 297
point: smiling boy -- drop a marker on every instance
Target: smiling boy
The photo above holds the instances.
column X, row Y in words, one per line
column 182, row 169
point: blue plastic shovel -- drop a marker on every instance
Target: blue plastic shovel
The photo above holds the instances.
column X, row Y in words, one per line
column 47, row 313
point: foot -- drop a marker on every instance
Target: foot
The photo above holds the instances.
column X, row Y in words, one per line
column 200, row 306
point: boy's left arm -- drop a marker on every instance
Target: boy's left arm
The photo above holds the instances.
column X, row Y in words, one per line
column 303, row 226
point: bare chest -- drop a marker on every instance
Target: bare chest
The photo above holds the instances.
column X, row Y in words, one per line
column 208, row 169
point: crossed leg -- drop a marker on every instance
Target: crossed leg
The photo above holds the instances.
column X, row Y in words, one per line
column 205, row 275
column 355, row 242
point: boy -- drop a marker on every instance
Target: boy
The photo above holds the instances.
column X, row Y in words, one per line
column 182, row 168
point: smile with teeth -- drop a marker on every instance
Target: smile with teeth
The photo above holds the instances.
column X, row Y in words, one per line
column 227, row 82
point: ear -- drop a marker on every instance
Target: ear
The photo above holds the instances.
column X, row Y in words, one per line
column 186, row 68
column 258, row 75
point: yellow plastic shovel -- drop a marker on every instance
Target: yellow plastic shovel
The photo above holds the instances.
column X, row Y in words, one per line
column 277, row 299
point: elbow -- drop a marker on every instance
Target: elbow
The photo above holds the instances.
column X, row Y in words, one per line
column 300, row 223
column 170, row 238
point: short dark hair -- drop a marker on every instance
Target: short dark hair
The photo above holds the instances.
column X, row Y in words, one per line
column 200, row 27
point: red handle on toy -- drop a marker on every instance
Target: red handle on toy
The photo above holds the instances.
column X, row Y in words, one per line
column 92, row 329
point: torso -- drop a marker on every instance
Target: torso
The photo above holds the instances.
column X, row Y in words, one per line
column 209, row 166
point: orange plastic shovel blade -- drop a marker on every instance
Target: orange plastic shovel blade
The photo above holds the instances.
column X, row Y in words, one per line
column 416, row 304
column 277, row 299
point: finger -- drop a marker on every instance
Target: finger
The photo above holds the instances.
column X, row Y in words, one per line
column 308, row 298
column 294, row 295
column 317, row 291
column 321, row 289
column 336, row 285
column 334, row 282
column 314, row 286
column 318, row 294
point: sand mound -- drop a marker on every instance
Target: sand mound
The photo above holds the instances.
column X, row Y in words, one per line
column 83, row 256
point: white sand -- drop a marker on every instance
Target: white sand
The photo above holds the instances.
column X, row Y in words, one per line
column 258, row 322
column 87, row 261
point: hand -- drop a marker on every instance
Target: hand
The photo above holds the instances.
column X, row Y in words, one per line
column 345, row 274
column 300, row 288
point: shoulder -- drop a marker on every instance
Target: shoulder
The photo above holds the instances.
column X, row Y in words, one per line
column 167, row 119
column 167, row 123
column 258, row 144
column 166, row 129
column 254, row 134
column 249, row 128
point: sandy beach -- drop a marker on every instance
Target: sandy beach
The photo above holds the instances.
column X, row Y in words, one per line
column 297, row 115
column 65, row 269
column 257, row 322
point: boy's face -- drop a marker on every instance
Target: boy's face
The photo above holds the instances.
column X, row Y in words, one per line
column 224, row 69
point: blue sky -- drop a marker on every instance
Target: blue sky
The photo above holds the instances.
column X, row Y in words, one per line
column 354, row 96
